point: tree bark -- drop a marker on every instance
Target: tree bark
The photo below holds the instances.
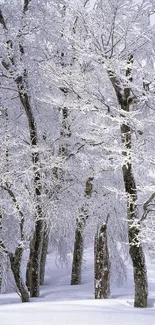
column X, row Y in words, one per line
column 78, row 251
column 65, row 131
column 15, row 261
column 36, row 245
column 101, row 264
column 33, row 266
column 135, row 248
column 44, row 255
column 35, row 259
column 139, row 268
column 79, row 237
column 37, row 241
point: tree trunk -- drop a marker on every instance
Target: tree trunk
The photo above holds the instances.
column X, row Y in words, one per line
column 139, row 268
column 1, row 272
column 23, row 92
column 79, row 239
column 101, row 264
column 43, row 256
column 28, row 274
column 36, row 244
column 33, row 266
column 78, row 251
column 65, row 131
column 15, row 261
column 135, row 247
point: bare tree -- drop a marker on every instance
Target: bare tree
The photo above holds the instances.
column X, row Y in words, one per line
column 124, row 98
column 21, row 81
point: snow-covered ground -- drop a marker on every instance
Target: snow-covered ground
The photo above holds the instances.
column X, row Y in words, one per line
column 62, row 304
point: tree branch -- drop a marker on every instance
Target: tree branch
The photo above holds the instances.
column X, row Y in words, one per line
column 145, row 207
column 10, row 192
column 2, row 21
column 25, row 7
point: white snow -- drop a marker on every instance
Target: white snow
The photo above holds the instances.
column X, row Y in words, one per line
column 62, row 304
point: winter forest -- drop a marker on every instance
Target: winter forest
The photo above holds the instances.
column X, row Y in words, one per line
column 77, row 140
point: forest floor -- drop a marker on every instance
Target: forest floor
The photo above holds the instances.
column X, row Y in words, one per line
column 62, row 304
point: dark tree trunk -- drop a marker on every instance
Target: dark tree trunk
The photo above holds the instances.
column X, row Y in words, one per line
column 15, row 261
column 101, row 264
column 65, row 132
column 28, row 275
column 135, row 247
column 43, row 256
column 139, row 268
column 33, row 266
column 78, row 251
column 79, row 237
column 23, row 92
column 36, row 245
column 35, row 260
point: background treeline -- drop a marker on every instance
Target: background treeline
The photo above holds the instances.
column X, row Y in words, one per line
column 77, row 115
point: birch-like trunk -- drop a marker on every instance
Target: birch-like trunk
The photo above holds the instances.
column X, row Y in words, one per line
column 101, row 264
column 78, row 251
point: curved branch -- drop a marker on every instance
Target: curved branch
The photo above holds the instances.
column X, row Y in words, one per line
column 11, row 194
column 25, row 7
column 2, row 21
column 145, row 207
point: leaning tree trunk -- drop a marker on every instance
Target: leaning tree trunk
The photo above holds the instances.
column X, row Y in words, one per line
column 15, row 261
column 36, row 248
column 16, row 258
column 79, row 237
column 23, row 93
column 101, row 264
column 36, row 245
column 37, row 241
column 135, row 247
